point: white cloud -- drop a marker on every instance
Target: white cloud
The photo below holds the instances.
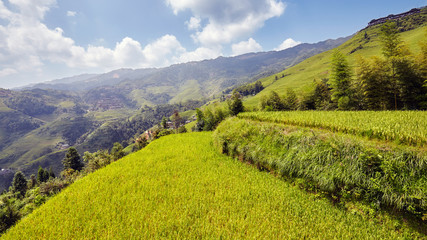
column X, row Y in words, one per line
column 200, row 53
column 228, row 20
column 288, row 43
column 7, row 71
column 246, row 47
column 194, row 23
column 71, row 13
column 28, row 47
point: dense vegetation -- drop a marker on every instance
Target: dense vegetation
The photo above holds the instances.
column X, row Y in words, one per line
column 407, row 127
column 192, row 191
column 341, row 165
column 25, row 195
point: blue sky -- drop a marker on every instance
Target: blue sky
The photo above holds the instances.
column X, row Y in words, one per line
column 42, row 40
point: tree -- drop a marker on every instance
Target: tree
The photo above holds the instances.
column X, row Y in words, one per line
column 164, row 123
column 72, row 160
column 117, row 151
column 42, row 175
column 376, row 88
column 200, row 121
column 291, row 99
column 32, row 182
column 392, row 47
column 389, row 37
column 51, row 173
column 176, row 120
column 19, row 183
column 141, row 142
column 236, row 104
column 8, row 216
column 322, row 95
column 182, row 129
column 340, row 81
column 272, row 102
column 409, row 82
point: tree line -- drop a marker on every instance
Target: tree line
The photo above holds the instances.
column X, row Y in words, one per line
column 395, row 81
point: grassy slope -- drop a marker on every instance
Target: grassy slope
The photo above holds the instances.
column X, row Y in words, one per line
column 301, row 76
column 180, row 187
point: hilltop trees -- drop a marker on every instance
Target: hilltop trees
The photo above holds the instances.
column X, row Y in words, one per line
column 395, row 82
column 72, row 160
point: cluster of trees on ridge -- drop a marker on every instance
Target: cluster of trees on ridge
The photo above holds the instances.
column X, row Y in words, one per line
column 397, row 81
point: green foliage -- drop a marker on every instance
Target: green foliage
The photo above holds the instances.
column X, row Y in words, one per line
column 182, row 129
column 141, row 143
column 322, row 95
column 272, row 102
column 72, row 160
column 390, row 39
column 97, row 160
column 8, row 216
column 19, row 183
column 200, row 121
column 340, row 81
column 117, row 151
column 235, row 105
column 249, row 89
column 332, row 163
column 390, row 126
column 42, row 175
column 291, row 100
column 164, row 123
column 208, row 119
column 376, row 86
column 176, row 120
column 191, row 191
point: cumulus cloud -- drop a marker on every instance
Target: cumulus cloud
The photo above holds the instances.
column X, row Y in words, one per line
column 200, row 53
column 71, row 13
column 246, row 47
column 194, row 23
column 28, row 46
column 228, row 20
column 288, row 43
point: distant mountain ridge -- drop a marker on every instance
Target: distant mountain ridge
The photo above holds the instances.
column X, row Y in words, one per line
column 228, row 71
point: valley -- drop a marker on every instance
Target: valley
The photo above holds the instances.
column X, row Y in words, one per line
column 317, row 141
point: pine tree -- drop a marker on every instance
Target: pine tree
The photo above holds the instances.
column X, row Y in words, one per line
column 340, row 81
column 72, row 160
column 42, row 175
column 19, row 183
column 236, row 104
column 200, row 121
column 375, row 85
column 291, row 99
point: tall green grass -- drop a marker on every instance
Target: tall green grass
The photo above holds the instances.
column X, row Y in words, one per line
column 409, row 127
column 180, row 187
column 337, row 164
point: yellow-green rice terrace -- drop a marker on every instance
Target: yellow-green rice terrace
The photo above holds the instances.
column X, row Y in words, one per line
column 180, row 186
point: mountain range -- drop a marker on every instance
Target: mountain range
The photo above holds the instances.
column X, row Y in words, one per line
column 92, row 111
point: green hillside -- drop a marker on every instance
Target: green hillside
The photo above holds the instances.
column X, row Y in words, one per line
column 181, row 187
column 302, row 75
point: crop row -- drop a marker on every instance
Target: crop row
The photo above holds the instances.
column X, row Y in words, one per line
column 408, row 127
column 341, row 166
column 180, row 187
